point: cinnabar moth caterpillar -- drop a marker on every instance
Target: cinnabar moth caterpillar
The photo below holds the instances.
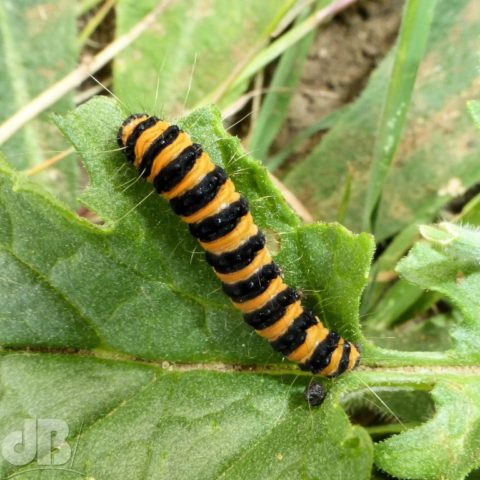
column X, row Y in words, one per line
column 204, row 197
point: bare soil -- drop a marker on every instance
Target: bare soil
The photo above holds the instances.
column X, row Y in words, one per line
column 340, row 61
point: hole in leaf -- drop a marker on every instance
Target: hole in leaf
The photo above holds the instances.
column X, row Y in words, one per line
column 388, row 410
column 273, row 241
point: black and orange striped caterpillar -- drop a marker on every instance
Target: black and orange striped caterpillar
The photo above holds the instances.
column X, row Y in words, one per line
column 204, row 197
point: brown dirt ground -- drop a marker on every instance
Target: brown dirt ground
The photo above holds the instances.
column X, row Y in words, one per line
column 340, row 61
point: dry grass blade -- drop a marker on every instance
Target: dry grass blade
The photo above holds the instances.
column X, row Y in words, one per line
column 49, row 162
column 292, row 200
column 77, row 76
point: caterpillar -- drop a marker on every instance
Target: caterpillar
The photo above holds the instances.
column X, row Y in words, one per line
column 204, row 197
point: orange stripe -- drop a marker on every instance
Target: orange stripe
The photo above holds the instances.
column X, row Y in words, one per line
column 202, row 166
column 127, row 129
column 225, row 196
column 332, row 367
column 243, row 231
column 261, row 258
column 281, row 325
column 354, row 354
column 146, row 139
column 276, row 286
column 315, row 334
column 168, row 154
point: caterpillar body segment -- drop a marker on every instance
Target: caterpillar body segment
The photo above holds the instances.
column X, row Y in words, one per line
column 204, row 197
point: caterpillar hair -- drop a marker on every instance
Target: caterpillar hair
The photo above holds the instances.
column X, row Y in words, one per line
column 204, row 197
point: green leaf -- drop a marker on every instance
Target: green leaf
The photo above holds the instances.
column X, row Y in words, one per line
column 448, row 264
column 133, row 290
column 131, row 286
column 446, row 446
column 134, row 421
column 191, row 51
column 139, row 264
column 438, row 155
column 127, row 287
column 335, row 281
column 37, row 48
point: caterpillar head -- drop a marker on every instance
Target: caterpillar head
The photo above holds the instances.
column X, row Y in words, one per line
column 128, row 126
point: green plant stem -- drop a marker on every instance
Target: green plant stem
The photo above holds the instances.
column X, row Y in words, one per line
column 376, row 357
column 390, row 428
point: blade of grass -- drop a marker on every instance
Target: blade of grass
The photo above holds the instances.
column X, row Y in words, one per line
column 49, row 162
column 347, row 190
column 471, row 211
column 86, row 5
column 95, row 21
column 260, row 56
column 401, row 303
column 391, row 306
column 275, row 106
column 229, row 87
column 410, row 48
column 474, row 109
column 385, row 265
column 384, row 304
column 52, row 94
column 277, row 160
column 276, row 48
column 256, row 106
column 295, row 11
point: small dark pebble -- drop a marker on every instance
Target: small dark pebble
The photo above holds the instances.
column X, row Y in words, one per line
column 314, row 394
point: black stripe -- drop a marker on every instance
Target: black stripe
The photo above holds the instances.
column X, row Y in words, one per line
column 217, row 226
column 343, row 364
column 357, row 363
column 296, row 333
column 235, row 260
column 253, row 286
column 322, row 354
column 201, row 194
column 137, row 131
column 160, row 143
column 124, row 124
column 273, row 310
column 175, row 171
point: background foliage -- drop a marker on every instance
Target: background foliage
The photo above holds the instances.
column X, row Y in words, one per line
column 112, row 321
